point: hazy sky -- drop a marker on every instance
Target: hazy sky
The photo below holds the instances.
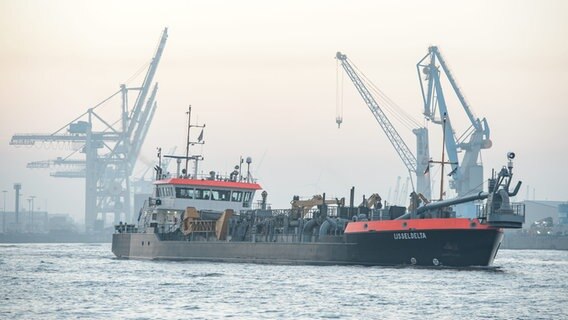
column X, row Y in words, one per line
column 262, row 74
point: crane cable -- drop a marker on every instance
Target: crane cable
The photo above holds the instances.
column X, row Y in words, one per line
column 338, row 95
column 396, row 111
column 138, row 72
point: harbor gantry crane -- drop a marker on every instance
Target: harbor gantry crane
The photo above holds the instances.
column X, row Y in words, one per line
column 467, row 175
column 417, row 165
column 111, row 148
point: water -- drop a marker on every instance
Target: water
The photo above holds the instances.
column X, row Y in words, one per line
column 46, row 281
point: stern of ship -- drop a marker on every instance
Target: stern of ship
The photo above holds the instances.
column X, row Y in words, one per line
column 121, row 244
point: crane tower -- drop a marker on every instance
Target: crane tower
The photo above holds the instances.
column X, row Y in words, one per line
column 110, row 148
column 467, row 174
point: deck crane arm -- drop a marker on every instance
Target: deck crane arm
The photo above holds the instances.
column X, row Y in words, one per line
column 432, row 73
column 480, row 126
column 467, row 174
column 416, row 164
column 400, row 146
column 434, row 97
column 474, row 121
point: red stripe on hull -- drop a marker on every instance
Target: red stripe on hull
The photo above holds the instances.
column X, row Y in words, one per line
column 416, row 224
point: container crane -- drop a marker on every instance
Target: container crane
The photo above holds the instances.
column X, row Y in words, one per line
column 107, row 175
column 467, row 175
column 418, row 166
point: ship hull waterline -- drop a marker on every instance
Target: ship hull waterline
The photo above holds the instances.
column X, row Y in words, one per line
column 453, row 248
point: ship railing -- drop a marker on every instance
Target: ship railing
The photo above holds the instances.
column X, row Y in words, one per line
column 144, row 207
column 167, row 231
column 144, row 219
column 159, row 228
column 258, row 205
column 125, row 228
column 516, row 208
column 332, row 212
column 512, row 216
column 221, row 177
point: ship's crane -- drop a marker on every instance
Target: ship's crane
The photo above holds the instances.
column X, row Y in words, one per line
column 107, row 174
column 372, row 202
column 418, row 166
column 467, row 175
column 304, row 206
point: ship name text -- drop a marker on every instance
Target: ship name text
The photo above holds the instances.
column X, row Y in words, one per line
column 410, row 236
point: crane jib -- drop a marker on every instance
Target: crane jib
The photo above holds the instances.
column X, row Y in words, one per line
column 408, row 158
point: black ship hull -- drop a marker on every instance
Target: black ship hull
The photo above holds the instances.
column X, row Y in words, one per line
column 429, row 247
column 456, row 248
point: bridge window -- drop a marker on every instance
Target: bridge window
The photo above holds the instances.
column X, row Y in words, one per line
column 165, row 191
column 221, row 195
column 246, row 202
column 202, row 194
column 237, row 196
column 184, row 193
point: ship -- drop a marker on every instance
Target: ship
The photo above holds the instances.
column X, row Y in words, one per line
column 214, row 218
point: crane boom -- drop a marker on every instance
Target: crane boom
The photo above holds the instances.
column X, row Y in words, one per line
column 475, row 122
column 400, row 146
column 141, row 99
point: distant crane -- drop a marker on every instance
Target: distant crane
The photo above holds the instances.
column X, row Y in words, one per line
column 396, row 191
column 403, row 197
column 418, row 166
column 468, row 174
column 107, row 174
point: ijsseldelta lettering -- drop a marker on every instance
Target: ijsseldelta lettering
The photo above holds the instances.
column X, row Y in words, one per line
column 410, row 236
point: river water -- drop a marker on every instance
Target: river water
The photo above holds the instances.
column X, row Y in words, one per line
column 61, row 281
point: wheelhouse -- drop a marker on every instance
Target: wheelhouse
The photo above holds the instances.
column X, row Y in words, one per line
column 211, row 195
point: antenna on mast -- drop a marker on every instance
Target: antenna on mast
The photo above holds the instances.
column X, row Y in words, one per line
column 187, row 141
column 187, row 157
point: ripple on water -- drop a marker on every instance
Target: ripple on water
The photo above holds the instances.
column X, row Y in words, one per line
column 85, row 281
